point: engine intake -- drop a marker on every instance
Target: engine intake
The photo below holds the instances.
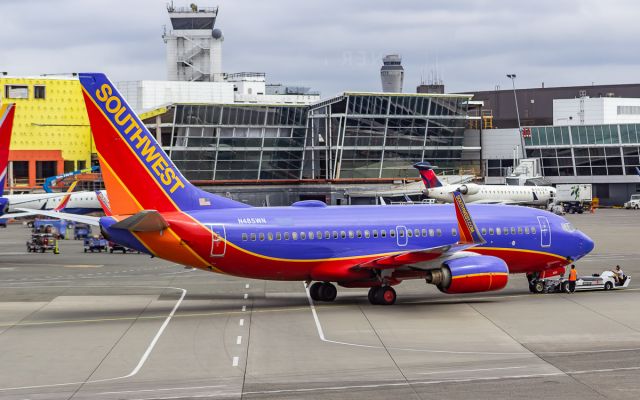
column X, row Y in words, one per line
column 470, row 274
column 469, row 189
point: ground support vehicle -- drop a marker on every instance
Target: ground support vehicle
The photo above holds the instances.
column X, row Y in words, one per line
column 634, row 202
column 41, row 242
column 603, row 281
column 116, row 247
column 94, row 244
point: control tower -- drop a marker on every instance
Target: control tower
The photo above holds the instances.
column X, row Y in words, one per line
column 392, row 74
column 194, row 47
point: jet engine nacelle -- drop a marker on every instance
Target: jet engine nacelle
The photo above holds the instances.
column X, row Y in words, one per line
column 470, row 188
column 470, row 274
column 4, row 205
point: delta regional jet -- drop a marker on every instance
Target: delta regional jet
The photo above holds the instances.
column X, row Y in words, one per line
column 484, row 194
column 457, row 249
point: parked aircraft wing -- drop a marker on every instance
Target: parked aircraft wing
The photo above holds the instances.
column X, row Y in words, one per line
column 85, row 219
column 143, row 221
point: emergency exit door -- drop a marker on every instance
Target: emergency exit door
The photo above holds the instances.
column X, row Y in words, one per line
column 545, row 231
column 218, row 240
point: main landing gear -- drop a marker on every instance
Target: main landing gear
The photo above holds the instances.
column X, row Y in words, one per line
column 382, row 295
column 535, row 285
column 323, row 291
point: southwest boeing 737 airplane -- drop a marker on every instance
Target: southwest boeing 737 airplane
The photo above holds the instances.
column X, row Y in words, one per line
column 7, row 112
column 156, row 210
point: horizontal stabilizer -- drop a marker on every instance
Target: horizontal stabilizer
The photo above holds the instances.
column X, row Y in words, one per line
column 84, row 219
column 144, row 221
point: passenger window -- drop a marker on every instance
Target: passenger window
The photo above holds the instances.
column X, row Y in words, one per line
column 533, row 230
column 383, row 233
column 367, row 234
column 505, row 230
column 343, row 234
column 286, row 236
column 424, row 233
column 498, row 231
column 375, row 233
column 311, row 236
column 513, row 230
column 416, row 232
column 303, row 235
column 431, row 232
column 319, row 235
column 245, row 237
column 526, row 230
column 335, row 234
column 409, row 233
column 359, row 234
column 278, row 236
column 453, row 232
column 327, row 235
column 351, row 235
column 401, row 233
column 490, row 231
column 484, row 231
column 262, row 236
column 269, row 236
column 294, row 235
column 253, row 237
column 392, row 233
column 438, row 232
column 519, row 230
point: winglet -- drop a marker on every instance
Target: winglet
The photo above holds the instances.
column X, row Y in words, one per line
column 469, row 233
column 427, row 174
column 104, row 203
column 7, row 112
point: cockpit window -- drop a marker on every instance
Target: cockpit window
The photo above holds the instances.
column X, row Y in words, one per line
column 568, row 227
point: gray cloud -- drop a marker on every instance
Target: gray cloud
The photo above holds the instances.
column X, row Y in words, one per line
column 338, row 45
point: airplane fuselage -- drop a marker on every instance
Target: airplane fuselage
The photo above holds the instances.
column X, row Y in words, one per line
column 524, row 195
column 79, row 202
column 314, row 242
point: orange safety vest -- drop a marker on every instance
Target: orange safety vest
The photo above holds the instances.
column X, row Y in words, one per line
column 573, row 275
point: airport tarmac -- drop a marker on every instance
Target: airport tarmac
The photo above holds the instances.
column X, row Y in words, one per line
column 112, row 326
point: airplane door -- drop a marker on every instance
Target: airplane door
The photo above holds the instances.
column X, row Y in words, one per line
column 218, row 240
column 401, row 235
column 545, row 232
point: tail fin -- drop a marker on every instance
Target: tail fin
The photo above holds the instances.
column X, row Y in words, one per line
column 104, row 203
column 7, row 112
column 137, row 173
column 469, row 233
column 429, row 177
column 67, row 197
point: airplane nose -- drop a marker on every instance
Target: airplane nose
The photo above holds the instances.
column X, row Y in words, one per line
column 586, row 244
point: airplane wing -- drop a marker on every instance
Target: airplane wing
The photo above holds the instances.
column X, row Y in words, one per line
column 85, row 219
column 469, row 237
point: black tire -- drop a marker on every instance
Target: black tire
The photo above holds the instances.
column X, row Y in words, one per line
column 111, row 251
column 538, row 287
column 565, row 287
column 85, row 250
column 372, row 294
column 386, row 296
column 608, row 286
column 328, row 292
column 314, row 291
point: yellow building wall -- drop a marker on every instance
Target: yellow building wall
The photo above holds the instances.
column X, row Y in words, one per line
column 57, row 122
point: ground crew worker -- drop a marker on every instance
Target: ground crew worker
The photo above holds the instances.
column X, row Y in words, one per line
column 573, row 277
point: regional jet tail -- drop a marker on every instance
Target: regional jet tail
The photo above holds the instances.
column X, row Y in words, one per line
column 484, row 194
column 7, row 112
column 157, row 211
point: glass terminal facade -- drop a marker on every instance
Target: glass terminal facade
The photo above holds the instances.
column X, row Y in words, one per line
column 351, row 136
column 586, row 150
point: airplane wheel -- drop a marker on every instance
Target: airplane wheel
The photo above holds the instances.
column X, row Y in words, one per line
column 328, row 292
column 386, row 296
column 538, row 287
column 372, row 294
column 314, row 291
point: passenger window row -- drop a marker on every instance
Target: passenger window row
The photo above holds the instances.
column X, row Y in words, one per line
column 360, row 234
column 509, row 230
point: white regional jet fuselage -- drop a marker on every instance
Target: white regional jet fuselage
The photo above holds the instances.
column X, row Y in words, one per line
column 495, row 194
column 78, row 202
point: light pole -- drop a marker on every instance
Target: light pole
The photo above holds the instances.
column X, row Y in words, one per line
column 513, row 82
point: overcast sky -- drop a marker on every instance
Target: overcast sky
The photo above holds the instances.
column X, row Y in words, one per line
column 338, row 45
